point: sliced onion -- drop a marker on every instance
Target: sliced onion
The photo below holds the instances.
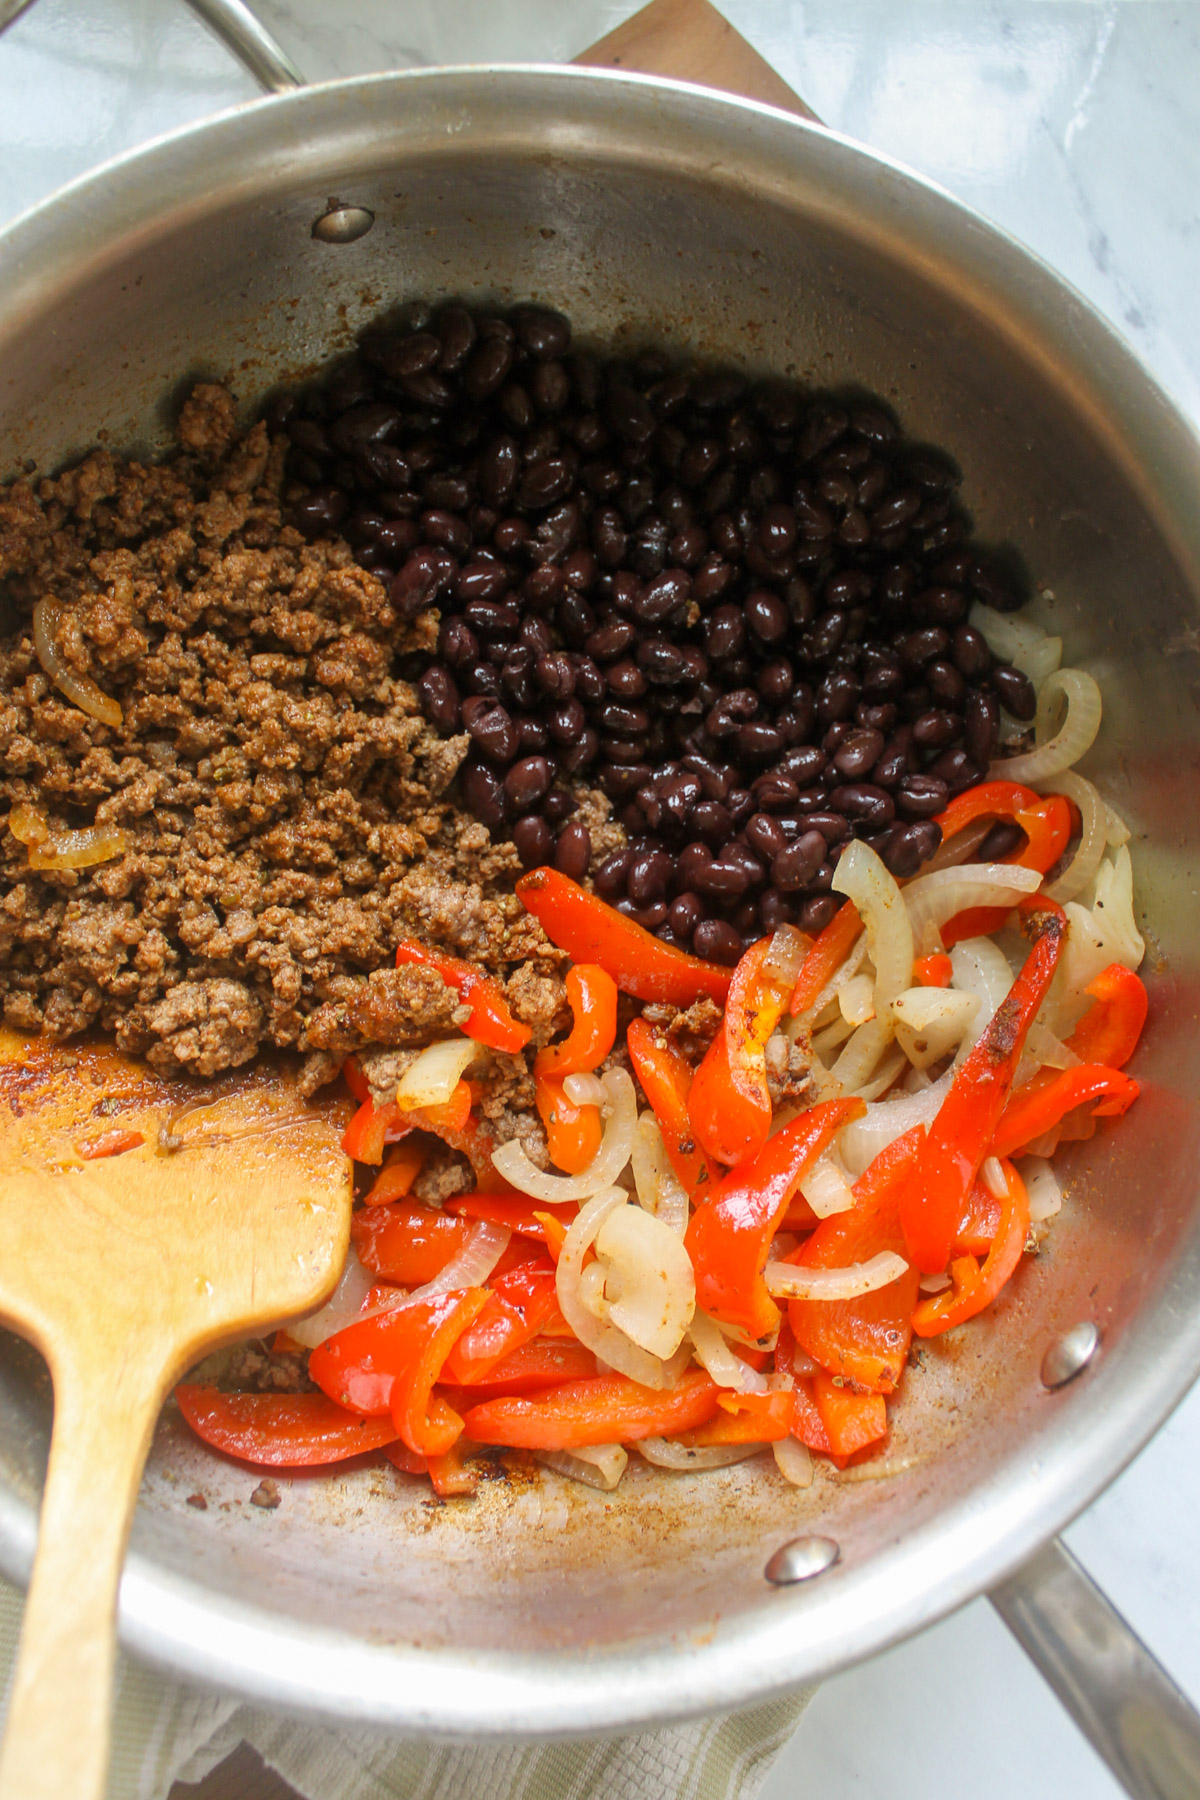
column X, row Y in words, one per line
column 833, row 1037
column 932, row 899
column 1118, row 830
column 857, row 1062
column 931, row 1022
column 666, row 1455
column 794, row 1462
column 1048, row 1051
column 886, row 1120
column 714, row 1355
column 649, row 1284
column 343, row 1307
column 887, row 1074
column 935, row 1284
column 58, row 847
column 1112, row 908
column 596, row 1465
column 981, row 968
column 479, row 1255
column 1040, row 661
column 1042, row 1186
column 825, row 1186
column 856, row 1001
column 511, row 1161
column 436, row 1072
column 958, row 849
column 1008, row 635
column 834, row 985
column 1074, row 737
column 584, row 1090
column 81, row 690
column 793, row 1281
column 991, row 1173
column 785, row 955
column 1093, row 836
column 598, row 1335
column 659, row 1189
column 1097, row 936
column 863, row 878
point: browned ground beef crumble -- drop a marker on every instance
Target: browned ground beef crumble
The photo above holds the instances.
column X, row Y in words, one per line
column 290, row 814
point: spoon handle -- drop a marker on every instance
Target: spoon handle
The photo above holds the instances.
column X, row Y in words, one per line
column 56, row 1742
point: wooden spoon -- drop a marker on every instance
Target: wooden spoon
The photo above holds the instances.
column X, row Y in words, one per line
column 230, row 1212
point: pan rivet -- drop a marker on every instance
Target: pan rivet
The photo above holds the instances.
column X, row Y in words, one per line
column 341, row 224
column 800, row 1559
column 1070, row 1354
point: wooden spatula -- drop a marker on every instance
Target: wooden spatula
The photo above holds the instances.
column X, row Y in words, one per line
column 232, row 1212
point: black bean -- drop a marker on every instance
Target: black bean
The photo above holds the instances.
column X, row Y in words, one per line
column 766, row 615
column 527, row 783
column 620, row 781
column 956, row 769
column 796, row 863
column 832, row 826
column 1016, row 692
column 921, row 647
column 648, row 876
column 541, row 332
column 437, row 691
column 611, row 875
column 678, row 794
column 499, row 467
column 716, row 941
column 725, row 631
column 491, row 727
column 712, row 821
column 803, row 764
column 775, row 793
column 458, row 643
column 687, row 911
column 817, row 912
column 1000, row 842
column 724, row 879
column 921, row 796
column 573, row 851
column 764, row 834
column 934, row 729
column 320, row 511
column 861, row 800
column 837, row 696
column 981, row 726
column 455, row 329
column 566, row 722
column 946, row 684
column 558, row 806
column 629, row 415
column 758, row 743
column 487, row 368
column 625, row 678
column 591, row 685
column 481, row 581
column 662, row 596
column 972, row 658
column 534, row 841
column 421, row 580
column 857, row 754
column 483, row 792
column 555, row 675
column 904, row 849
column 544, row 482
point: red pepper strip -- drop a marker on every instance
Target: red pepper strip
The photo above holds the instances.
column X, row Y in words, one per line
column 610, row 1409
column 933, row 971
column 280, row 1430
column 865, row 1339
column 934, row 1196
column 729, row 1104
column 490, row 1022
column 373, row 1127
column 1040, row 1105
column 973, row 921
column 573, row 1133
column 390, row 1363
column 851, row 1421
column 518, row 1306
column 451, row 1475
column 397, row 1175
column 556, row 1233
column 515, row 1214
column 592, row 994
column 544, row 1363
column 406, row 1460
column 666, row 1080
column 405, row 1242
column 975, row 1287
column 979, row 1224
column 807, row 1424
column 729, row 1236
column 1046, row 821
column 829, row 951
column 592, row 932
column 744, row 1419
column 109, row 1143
column 1109, row 1031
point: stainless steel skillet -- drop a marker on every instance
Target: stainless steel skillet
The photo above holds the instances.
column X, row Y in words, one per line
column 651, row 210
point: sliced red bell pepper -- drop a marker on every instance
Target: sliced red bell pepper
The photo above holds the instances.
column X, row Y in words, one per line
column 355, row 1080
column 973, row 922
column 491, row 1021
column 851, row 1420
column 730, row 1234
column 592, row 932
column 933, row 971
column 974, row 1287
column 729, row 1104
column 573, row 1133
column 405, row 1242
column 865, row 1339
column 610, row 1409
column 745, row 1419
column 1045, row 820
column 397, row 1175
column 390, row 1363
column 406, row 1460
column 979, row 1224
column 934, row 1196
column 592, row 994
column 1108, row 1032
column 516, row 1212
column 1043, row 1102
column 519, row 1305
column 373, row 1126
column 109, row 1143
column 451, row 1474
column 829, row 950
column 807, row 1424
column 543, row 1363
column 666, row 1080
column 289, row 1431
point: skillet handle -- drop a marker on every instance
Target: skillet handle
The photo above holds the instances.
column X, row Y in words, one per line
column 1123, row 1701
column 251, row 43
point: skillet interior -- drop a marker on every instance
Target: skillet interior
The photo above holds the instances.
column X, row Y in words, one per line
column 649, row 212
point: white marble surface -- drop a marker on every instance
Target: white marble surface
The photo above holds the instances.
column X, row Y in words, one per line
column 1075, row 124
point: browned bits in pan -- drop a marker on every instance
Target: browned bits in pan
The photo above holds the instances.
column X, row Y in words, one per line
column 737, row 608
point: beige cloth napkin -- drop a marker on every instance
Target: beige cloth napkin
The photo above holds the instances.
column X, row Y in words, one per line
column 165, row 1731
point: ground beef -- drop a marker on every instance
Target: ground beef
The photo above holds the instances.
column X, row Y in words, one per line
column 289, row 815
